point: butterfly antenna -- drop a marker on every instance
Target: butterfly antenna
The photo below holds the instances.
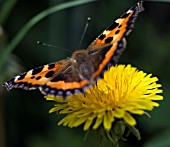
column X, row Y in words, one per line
column 49, row 45
column 85, row 29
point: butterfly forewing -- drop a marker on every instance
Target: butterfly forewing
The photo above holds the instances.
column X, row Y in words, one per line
column 107, row 48
column 36, row 77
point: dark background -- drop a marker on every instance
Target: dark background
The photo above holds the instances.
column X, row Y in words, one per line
column 24, row 117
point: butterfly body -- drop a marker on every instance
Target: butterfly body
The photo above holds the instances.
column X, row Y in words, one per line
column 82, row 69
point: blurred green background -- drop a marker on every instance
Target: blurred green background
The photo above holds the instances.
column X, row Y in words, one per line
column 24, row 117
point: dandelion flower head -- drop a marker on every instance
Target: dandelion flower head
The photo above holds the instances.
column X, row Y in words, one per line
column 123, row 92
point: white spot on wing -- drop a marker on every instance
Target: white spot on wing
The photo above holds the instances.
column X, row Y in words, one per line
column 106, row 32
column 29, row 73
column 16, row 78
column 129, row 11
column 120, row 20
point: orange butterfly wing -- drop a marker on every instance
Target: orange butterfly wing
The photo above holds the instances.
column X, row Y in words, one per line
column 113, row 39
column 35, row 78
column 101, row 51
column 64, row 78
column 119, row 29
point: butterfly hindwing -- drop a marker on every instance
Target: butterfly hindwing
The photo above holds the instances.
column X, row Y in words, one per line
column 65, row 83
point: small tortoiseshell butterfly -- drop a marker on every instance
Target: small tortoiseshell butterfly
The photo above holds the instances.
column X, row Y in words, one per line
column 75, row 74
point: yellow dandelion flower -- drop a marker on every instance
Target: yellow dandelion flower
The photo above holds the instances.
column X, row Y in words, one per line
column 122, row 92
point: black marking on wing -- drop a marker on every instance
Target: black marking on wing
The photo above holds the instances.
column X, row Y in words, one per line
column 109, row 40
column 117, row 31
column 102, row 36
column 51, row 66
column 49, row 74
column 37, row 70
column 37, row 78
column 22, row 76
column 112, row 26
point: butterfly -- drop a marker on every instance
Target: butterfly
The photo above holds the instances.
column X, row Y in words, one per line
column 84, row 67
